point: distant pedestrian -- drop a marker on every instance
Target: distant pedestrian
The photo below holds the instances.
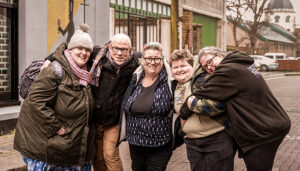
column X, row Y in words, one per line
column 208, row 146
column 146, row 121
column 256, row 120
column 55, row 130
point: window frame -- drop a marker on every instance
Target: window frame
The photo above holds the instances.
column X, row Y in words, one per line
column 13, row 95
column 288, row 19
column 277, row 18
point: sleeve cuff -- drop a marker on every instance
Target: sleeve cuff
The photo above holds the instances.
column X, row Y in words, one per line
column 194, row 103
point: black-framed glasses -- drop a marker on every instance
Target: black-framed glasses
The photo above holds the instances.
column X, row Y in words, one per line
column 116, row 50
column 209, row 62
column 156, row 60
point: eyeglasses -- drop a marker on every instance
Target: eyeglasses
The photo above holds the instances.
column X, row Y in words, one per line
column 209, row 62
column 156, row 60
column 116, row 50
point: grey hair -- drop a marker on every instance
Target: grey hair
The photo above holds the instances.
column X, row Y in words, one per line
column 210, row 50
column 121, row 36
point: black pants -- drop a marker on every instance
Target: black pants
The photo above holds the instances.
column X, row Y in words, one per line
column 262, row 157
column 212, row 153
column 150, row 158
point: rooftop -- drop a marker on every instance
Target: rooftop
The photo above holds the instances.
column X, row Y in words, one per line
column 280, row 4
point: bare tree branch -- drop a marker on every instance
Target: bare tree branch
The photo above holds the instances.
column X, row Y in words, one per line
column 255, row 9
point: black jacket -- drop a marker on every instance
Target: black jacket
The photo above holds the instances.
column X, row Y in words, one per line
column 111, row 90
column 255, row 116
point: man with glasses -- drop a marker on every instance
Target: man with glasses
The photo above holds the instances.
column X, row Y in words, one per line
column 118, row 66
column 256, row 120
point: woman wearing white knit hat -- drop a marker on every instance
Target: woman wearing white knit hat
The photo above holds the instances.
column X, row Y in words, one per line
column 54, row 130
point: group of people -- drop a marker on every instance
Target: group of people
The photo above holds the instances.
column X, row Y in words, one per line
column 106, row 95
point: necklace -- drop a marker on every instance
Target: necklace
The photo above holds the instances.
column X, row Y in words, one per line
column 154, row 78
column 148, row 80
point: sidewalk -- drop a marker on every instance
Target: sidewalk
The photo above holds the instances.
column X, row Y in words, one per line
column 287, row 159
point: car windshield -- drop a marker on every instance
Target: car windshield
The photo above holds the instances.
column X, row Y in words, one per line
column 279, row 57
column 271, row 57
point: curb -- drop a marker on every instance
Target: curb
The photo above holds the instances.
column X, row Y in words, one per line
column 273, row 76
column 292, row 74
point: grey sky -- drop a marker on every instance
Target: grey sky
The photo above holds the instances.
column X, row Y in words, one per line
column 296, row 5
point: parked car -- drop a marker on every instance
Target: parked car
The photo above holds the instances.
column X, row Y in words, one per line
column 263, row 63
column 276, row 56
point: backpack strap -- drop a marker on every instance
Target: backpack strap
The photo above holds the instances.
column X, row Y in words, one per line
column 58, row 68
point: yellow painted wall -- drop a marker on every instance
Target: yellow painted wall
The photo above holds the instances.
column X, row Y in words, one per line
column 58, row 9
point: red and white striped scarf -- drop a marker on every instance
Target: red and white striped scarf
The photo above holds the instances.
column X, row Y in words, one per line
column 80, row 72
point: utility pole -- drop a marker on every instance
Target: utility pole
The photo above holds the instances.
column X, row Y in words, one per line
column 84, row 4
column 174, row 25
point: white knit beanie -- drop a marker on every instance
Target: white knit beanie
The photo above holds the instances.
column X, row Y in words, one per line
column 81, row 38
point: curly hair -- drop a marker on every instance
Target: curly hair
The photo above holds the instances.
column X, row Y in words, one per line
column 182, row 54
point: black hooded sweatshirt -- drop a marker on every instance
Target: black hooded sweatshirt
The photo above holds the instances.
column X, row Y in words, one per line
column 254, row 116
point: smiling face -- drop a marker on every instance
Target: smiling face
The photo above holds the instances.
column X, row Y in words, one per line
column 210, row 62
column 120, row 50
column 181, row 70
column 151, row 63
column 80, row 55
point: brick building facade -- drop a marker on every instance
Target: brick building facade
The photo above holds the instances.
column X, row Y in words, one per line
column 8, row 50
column 29, row 30
column 5, row 52
column 297, row 34
column 187, row 30
column 203, row 24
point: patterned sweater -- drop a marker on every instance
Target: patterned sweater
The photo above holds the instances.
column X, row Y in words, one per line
column 155, row 128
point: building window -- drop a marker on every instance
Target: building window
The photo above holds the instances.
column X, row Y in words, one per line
column 275, row 45
column 277, row 19
column 8, row 52
column 287, row 19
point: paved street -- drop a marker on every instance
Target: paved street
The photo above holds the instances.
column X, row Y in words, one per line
column 285, row 88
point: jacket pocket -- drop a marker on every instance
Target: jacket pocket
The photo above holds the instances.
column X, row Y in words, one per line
column 68, row 95
column 58, row 147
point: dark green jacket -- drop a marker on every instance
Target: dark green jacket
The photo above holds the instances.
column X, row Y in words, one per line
column 50, row 105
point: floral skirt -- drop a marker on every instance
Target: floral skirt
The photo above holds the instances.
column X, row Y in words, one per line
column 36, row 165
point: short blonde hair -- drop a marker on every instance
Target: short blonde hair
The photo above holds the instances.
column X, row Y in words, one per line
column 153, row 46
